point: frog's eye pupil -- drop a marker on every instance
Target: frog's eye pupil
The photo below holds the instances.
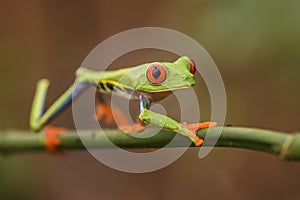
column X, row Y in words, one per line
column 156, row 73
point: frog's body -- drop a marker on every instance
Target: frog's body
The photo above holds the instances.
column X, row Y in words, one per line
column 147, row 83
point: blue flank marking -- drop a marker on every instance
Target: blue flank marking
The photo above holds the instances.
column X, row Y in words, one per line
column 78, row 88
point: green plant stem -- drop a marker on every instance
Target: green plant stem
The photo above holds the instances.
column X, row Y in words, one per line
column 284, row 145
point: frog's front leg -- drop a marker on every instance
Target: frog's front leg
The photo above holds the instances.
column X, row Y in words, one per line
column 168, row 123
column 165, row 122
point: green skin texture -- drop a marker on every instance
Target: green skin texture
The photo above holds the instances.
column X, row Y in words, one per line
column 178, row 76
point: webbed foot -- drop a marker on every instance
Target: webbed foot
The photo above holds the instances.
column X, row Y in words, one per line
column 194, row 127
column 51, row 140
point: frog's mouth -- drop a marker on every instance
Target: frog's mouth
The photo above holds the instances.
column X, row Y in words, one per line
column 169, row 89
column 159, row 95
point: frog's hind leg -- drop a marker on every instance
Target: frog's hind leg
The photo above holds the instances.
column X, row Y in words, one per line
column 39, row 117
column 110, row 114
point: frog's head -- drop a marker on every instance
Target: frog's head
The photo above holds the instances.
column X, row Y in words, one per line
column 166, row 76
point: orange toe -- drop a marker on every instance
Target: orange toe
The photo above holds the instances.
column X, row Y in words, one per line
column 197, row 126
column 198, row 142
column 151, row 149
column 51, row 139
column 131, row 128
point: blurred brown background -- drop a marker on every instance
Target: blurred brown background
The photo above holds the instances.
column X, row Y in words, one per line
column 255, row 44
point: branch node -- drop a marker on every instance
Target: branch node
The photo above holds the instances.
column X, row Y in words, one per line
column 285, row 147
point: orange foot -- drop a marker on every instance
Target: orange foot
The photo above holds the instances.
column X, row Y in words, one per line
column 197, row 126
column 131, row 128
column 51, row 140
column 104, row 110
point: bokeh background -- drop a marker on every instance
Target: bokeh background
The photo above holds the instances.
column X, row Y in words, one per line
column 255, row 44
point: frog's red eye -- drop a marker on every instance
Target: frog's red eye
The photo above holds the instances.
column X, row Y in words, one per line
column 192, row 66
column 156, row 73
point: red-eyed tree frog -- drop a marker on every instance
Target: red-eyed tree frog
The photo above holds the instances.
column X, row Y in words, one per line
column 147, row 83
